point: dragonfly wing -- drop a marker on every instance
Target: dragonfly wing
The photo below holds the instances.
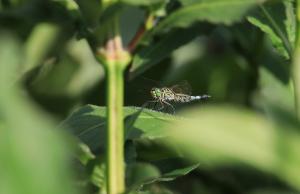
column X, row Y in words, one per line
column 182, row 87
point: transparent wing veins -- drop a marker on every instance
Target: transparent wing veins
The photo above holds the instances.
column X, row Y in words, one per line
column 182, row 87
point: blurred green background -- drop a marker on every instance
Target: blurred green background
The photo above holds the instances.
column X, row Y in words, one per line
column 244, row 139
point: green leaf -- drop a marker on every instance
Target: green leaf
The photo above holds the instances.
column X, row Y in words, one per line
column 98, row 176
column 218, row 136
column 130, row 152
column 89, row 125
column 142, row 2
column 93, row 168
column 68, row 4
column 44, row 39
column 150, row 177
column 39, row 44
column 140, row 172
column 71, row 76
column 84, row 153
column 170, row 176
column 97, row 169
column 90, row 11
column 214, row 11
column 111, row 12
column 290, row 21
column 188, row 2
column 156, row 52
column 33, row 154
column 277, row 20
column 273, row 90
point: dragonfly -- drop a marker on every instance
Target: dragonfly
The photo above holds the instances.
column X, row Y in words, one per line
column 179, row 93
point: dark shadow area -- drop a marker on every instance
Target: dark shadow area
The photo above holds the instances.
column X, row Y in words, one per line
column 228, row 179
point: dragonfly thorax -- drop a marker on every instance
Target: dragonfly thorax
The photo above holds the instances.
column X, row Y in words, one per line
column 163, row 94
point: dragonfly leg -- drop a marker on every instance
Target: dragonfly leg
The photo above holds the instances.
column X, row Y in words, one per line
column 148, row 103
column 170, row 105
column 145, row 105
column 154, row 105
column 162, row 105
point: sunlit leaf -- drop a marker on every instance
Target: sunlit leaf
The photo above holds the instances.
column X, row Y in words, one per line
column 277, row 20
column 97, row 172
column 214, row 11
column 90, row 11
column 89, row 125
column 273, row 90
column 219, row 136
column 142, row 2
column 40, row 44
column 174, row 174
column 152, row 54
column 33, row 153
column 150, row 176
column 188, row 2
column 70, row 75
column 141, row 172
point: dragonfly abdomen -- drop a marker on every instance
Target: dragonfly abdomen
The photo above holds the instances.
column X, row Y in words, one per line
column 182, row 98
column 199, row 97
column 187, row 98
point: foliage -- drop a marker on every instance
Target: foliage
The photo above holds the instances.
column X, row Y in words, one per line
column 243, row 53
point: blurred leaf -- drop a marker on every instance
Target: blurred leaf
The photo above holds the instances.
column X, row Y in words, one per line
column 214, row 11
column 44, row 39
column 33, row 154
column 140, row 172
column 290, row 21
column 111, row 11
column 225, row 75
column 84, row 153
column 273, row 90
column 174, row 174
column 10, row 60
column 131, row 19
column 147, row 177
column 130, row 152
column 93, row 167
column 218, row 136
column 271, row 191
column 39, row 44
column 277, row 20
column 129, row 122
column 71, row 75
column 143, row 2
column 69, row 4
column 120, row 8
column 188, row 2
column 97, row 170
column 155, row 149
column 90, row 11
column 156, row 52
column 98, row 176
column 158, row 10
column 89, row 125
column 89, row 72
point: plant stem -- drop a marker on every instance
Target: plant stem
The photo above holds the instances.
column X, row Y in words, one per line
column 296, row 62
column 115, row 133
column 115, row 59
column 146, row 26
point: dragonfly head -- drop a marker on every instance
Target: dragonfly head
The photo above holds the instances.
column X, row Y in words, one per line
column 155, row 93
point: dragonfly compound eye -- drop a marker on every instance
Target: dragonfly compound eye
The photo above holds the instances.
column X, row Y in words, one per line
column 157, row 92
column 153, row 92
